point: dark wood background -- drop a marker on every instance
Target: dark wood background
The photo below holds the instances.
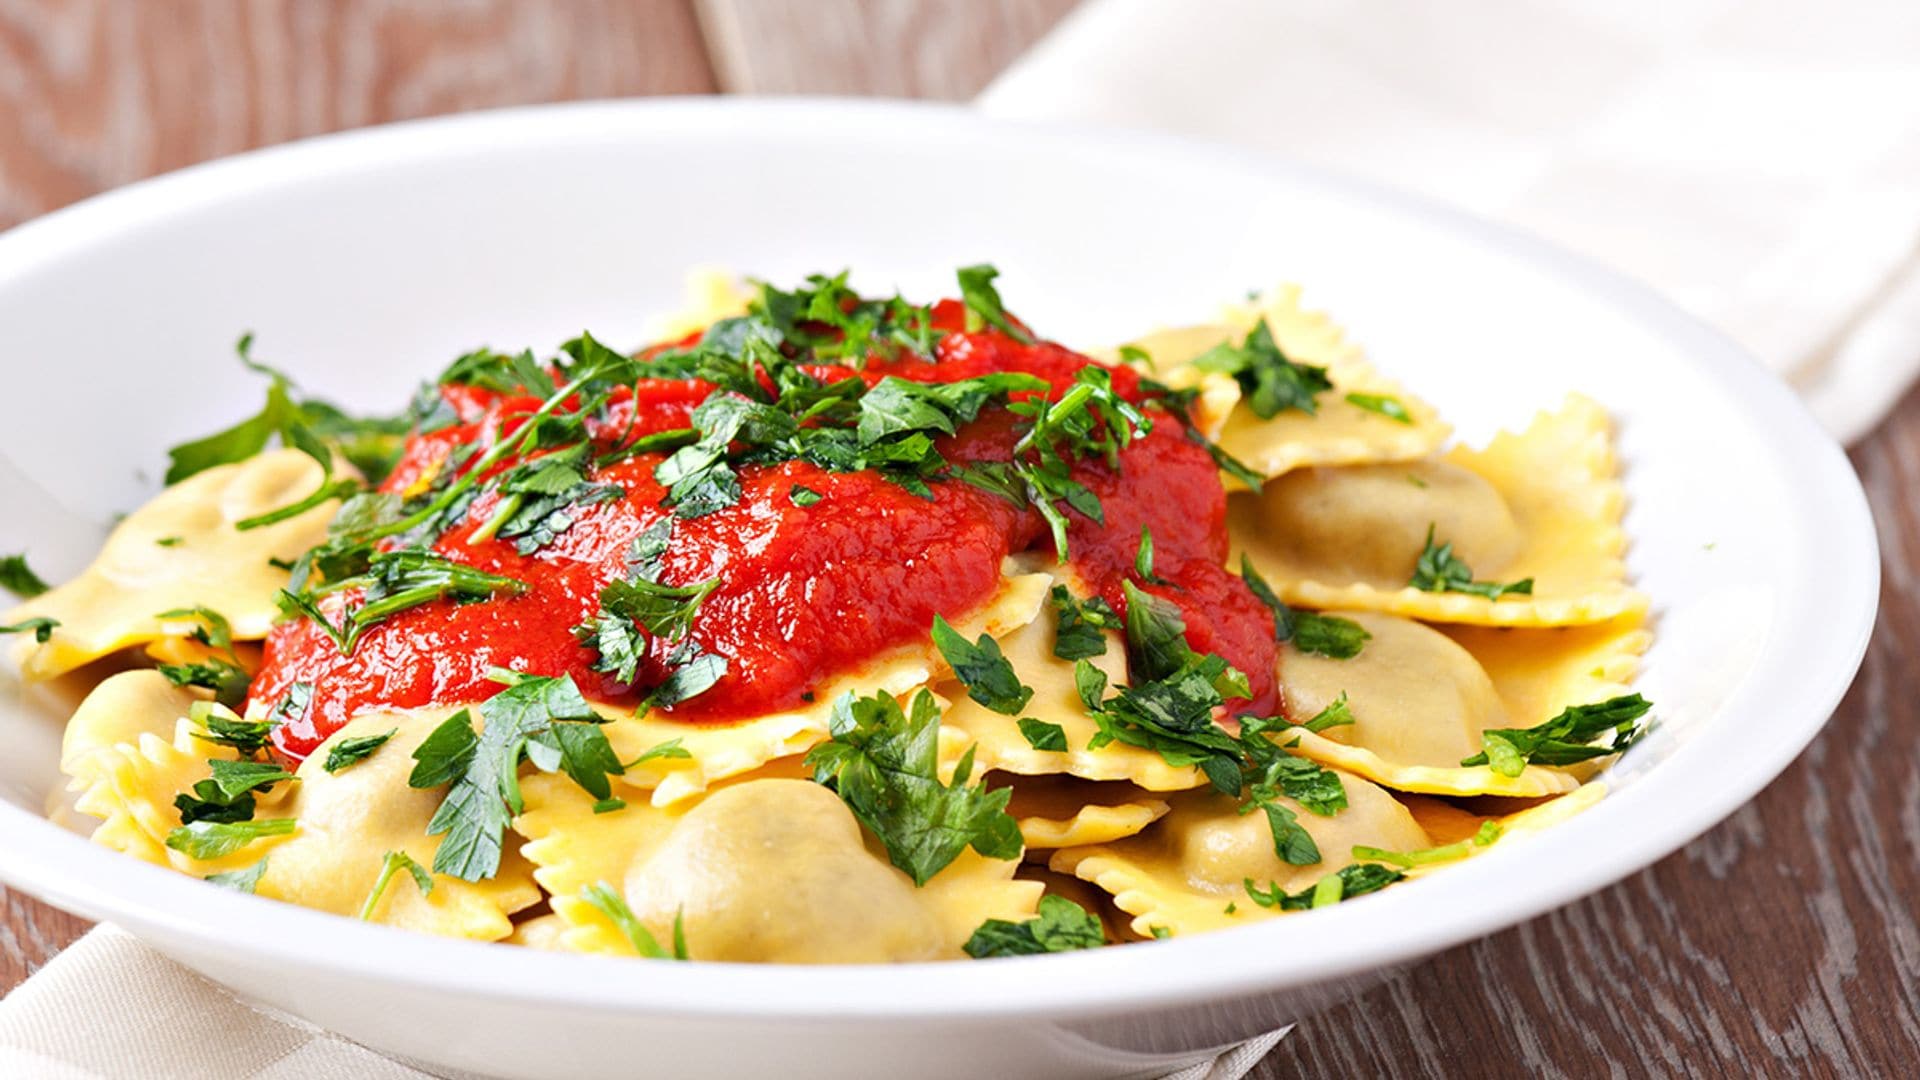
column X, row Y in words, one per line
column 1784, row 941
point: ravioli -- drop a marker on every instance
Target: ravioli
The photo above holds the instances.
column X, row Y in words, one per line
column 714, row 752
column 1543, row 505
column 1183, row 873
column 350, row 819
column 1001, row 745
column 1420, row 698
column 763, row 869
column 1060, row 811
column 116, row 602
column 1338, row 432
column 130, row 749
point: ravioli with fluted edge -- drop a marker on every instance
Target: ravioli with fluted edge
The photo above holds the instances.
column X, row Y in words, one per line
column 838, row 628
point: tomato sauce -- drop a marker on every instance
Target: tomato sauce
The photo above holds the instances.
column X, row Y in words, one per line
column 805, row 592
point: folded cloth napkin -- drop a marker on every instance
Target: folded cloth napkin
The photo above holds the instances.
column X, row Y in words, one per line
column 109, row 1008
column 1756, row 160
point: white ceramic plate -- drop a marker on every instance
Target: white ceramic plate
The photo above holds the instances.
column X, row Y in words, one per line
column 365, row 261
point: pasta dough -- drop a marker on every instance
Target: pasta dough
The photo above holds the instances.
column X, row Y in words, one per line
column 1555, row 481
column 1184, row 872
column 760, row 869
column 118, row 600
column 1338, row 432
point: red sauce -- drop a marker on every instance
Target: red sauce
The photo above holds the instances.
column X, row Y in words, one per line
column 805, row 592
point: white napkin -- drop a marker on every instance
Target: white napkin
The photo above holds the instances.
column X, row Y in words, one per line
column 110, row 1008
column 1756, row 160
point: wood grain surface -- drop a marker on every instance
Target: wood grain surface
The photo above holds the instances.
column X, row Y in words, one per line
column 1783, row 942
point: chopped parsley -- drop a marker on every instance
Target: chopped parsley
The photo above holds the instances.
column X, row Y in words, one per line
column 228, row 681
column 390, row 864
column 542, row 718
column 1311, row 632
column 1078, row 624
column 639, row 607
column 40, row 626
column 221, row 726
column 802, row 496
column 1349, row 882
column 1143, row 560
column 883, row 763
column 1384, row 404
column 1042, row 735
column 1271, row 382
column 395, row 581
column 1439, row 570
column 987, row 674
column 227, row 795
column 1060, row 926
column 214, row 631
column 1488, row 832
column 1567, row 738
column 614, row 906
column 352, row 751
column 208, row 840
column 541, row 498
column 1336, row 714
column 984, row 307
column 245, row 881
column 19, row 579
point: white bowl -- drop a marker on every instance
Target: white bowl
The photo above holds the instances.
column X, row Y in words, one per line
column 365, row 261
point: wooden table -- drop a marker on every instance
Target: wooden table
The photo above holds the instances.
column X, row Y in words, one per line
column 1783, row 941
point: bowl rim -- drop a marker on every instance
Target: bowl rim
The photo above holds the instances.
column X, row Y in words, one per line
column 1792, row 690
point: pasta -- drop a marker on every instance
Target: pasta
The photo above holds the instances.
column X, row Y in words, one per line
column 833, row 629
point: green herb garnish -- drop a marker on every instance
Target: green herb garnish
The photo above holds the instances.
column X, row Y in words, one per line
column 1272, row 383
column 883, row 763
column 1386, row 405
column 1567, row 738
column 19, row 579
column 987, row 674
column 614, row 906
column 1060, row 926
column 1439, row 570
column 1349, row 882
column 390, row 864
column 208, row 840
column 352, row 751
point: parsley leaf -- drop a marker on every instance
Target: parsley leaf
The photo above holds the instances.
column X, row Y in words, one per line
column 245, row 881
column 41, row 627
column 1271, row 382
column 1438, row 570
column 390, row 864
column 348, row 752
column 1042, row 735
column 1488, row 832
column 1567, row 738
column 227, row 681
column 1060, row 926
column 983, row 302
column 207, row 840
column 1078, row 625
column 482, row 771
column 221, row 726
column 1350, row 881
column 614, row 906
column 1143, row 560
column 1336, row 714
column 19, row 579
column 803, row 496
column 1311, row 632
column 988, row 675
column 214, row 631
column 395, row 581
column 1386, row 405
column 883, row 763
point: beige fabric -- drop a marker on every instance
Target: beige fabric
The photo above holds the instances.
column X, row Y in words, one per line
column 109, row 1008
